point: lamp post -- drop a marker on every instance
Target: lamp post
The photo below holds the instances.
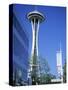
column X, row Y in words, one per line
column 35, row 19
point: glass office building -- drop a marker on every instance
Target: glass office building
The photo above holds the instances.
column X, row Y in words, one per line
column 20, row 52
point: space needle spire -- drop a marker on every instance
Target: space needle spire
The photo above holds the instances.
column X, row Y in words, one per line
column 35, row 19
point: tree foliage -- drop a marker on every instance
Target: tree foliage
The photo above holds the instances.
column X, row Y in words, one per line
column 45, row 75
column 43, row 66
column 64, row 73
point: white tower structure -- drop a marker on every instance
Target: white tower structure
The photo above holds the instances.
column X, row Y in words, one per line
column 59, row 64
column 35, row 19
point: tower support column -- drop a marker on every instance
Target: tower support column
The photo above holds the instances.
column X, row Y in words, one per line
column 35, row 18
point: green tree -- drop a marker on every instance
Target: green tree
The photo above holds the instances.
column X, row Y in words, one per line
column 45, row 75
column 43, row 66
column 46, row 78
column 64, row 73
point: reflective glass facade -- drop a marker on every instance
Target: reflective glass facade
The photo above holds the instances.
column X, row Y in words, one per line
column 20, row 53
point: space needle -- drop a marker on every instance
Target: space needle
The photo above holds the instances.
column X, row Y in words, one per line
column 35, row 18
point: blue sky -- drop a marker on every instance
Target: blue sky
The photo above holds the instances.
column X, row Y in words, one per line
column 52, row 31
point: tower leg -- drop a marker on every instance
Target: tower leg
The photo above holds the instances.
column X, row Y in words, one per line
column 35, row 29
